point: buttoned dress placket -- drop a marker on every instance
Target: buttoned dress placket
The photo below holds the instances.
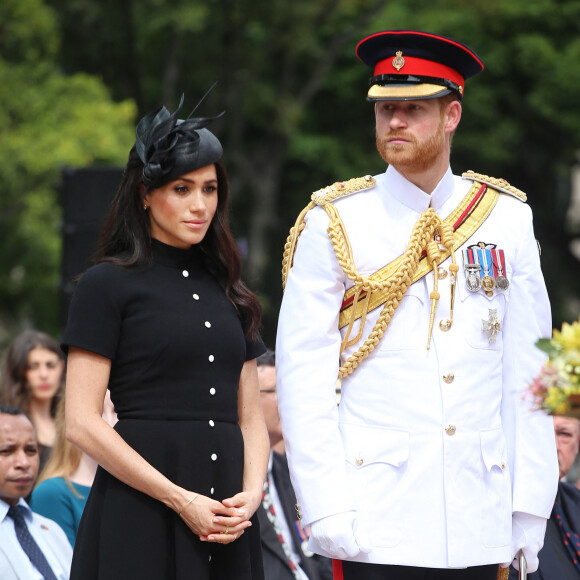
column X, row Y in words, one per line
column 211, row 389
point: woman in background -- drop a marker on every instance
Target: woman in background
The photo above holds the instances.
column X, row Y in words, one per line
column 164, row 321
column 64, row 484
column 32, row 380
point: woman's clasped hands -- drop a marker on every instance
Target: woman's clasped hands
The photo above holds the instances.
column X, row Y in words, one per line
column 221, row 522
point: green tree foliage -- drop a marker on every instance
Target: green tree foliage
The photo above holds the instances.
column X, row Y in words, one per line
column 272, row 60
column 48, row 120
column 294, row 94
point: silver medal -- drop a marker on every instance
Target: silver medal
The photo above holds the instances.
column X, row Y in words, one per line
column 473, row 281
column 502, row 283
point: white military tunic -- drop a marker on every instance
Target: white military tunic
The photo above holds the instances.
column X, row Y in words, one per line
column 435, row 448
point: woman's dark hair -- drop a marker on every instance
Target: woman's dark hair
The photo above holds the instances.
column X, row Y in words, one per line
column 14, row 389
column 125, row 240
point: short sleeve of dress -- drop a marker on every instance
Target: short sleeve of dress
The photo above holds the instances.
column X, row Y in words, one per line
column 94, row 317
column 254, row 348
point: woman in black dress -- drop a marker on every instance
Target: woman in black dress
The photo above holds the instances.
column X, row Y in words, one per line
column 165, row 322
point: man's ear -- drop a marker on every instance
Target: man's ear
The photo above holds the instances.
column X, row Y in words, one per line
column 452, row 116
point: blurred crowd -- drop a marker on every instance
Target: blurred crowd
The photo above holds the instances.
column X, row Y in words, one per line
column 32, row 380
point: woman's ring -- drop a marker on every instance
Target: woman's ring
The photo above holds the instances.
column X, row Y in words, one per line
column 227, row 530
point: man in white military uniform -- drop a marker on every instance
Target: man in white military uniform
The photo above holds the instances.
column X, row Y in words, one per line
column 422, row 290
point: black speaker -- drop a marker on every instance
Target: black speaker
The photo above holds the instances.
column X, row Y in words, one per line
column 86, row 197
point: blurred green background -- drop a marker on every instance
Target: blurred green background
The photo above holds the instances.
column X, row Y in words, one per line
column 75, row 75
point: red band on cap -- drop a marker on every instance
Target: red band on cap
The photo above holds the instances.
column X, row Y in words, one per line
column 419, row 67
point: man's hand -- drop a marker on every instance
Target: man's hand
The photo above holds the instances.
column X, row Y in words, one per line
column 340, row 535
column 527, row 535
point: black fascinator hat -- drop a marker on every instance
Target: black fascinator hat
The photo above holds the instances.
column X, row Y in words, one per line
column 170, row 147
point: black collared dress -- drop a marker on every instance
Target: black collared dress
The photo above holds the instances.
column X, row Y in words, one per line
column 177, row 348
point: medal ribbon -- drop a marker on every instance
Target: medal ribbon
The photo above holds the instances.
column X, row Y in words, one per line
column 477, row 260
column 493, row 264
column 499, row 261
column 489, row 263
column 485, row 263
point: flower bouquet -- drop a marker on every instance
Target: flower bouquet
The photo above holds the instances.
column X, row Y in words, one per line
column 556, row 389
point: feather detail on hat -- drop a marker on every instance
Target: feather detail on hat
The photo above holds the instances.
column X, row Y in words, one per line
column 170, row 147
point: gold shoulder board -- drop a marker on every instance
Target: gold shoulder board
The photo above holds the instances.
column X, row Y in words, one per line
column 342, row 188
column 499, row 184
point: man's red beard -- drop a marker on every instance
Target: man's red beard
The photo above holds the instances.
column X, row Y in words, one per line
column 414, row 156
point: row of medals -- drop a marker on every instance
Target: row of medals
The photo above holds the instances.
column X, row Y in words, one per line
column 473, row 278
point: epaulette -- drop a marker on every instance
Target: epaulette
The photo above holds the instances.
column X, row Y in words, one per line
column 499, row 184
column 342, row 188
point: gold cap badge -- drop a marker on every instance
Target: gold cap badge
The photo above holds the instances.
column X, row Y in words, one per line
column 399, row 61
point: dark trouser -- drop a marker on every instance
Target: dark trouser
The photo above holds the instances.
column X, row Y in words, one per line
column 358, row 571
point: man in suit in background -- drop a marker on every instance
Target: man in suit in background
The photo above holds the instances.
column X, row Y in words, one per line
column 286, row 556
column 560, row 556
column 32, row 547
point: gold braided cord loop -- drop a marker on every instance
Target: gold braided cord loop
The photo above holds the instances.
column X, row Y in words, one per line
column 291, row 240
column 396, row 285
column 446, row 232
column 321, row 197
column 466, row 230
column 434, row 258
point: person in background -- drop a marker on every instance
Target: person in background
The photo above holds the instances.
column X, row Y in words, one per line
column 422, row 290
column 32, row 379
column 32, row 547
column 560, row 556
column 284, row 541
column 267, row 379
column 64, row 484
column 165, row 322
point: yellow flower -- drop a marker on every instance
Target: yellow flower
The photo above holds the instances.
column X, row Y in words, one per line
column 560, row 375
column 556, row 400
column 569, row 338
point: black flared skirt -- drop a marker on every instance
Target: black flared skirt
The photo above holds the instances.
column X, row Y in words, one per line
column 125, row 534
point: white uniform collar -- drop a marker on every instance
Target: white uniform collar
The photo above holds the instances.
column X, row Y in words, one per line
column 415, row 198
